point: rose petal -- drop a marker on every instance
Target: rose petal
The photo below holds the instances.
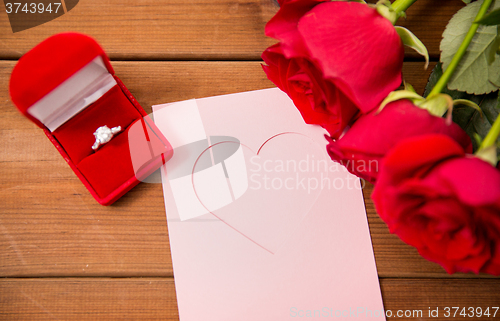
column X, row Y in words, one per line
column 473, row 181
column 356, row 46
column 283, row 26
column 416, row 154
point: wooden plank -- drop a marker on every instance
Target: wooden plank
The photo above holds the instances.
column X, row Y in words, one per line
column 202, row 29
column 51, row 226
column 158, row 29
column 427, row 19
column 154, row 298
column 422, row 294
column 88, row 299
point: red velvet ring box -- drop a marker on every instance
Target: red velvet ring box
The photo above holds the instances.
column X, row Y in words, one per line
column 67, row 87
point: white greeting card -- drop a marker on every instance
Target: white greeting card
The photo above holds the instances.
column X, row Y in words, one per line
column 262, row 224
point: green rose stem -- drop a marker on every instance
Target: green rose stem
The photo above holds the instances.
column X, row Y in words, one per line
column 441, row 84
column 401, row 5
column 492, row 135
column 494, row 132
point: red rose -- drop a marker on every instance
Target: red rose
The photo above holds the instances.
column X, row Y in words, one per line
column 369, row 139
column 333, row 59
column 443, row 202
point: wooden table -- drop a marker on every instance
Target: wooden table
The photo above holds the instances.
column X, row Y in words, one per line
column 63, row 256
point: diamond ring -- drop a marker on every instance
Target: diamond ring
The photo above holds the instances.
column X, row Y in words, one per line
column 104, row 134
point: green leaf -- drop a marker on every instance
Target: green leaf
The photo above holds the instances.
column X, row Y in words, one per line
column 489, row 155
column 475, row 123
column 384, row 8
column 409, row 87
column 474, row 74
column 410, row 40
column 467, row 103
column 492, row 50
column 437, row 105
column 490, row 19
column 466, row 1
column 478, row 139
column 400, row 94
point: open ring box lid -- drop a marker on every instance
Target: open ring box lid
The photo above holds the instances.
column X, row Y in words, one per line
column 67, row 87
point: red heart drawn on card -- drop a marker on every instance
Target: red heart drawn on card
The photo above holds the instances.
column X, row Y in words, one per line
column 28, row 14
column 263, row 194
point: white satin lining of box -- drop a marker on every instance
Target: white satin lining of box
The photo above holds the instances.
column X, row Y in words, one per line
column 79, row 91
